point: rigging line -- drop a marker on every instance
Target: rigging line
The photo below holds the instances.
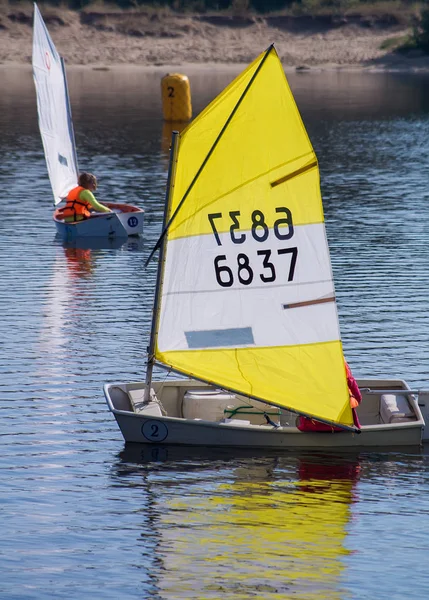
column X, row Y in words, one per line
column 210, row 152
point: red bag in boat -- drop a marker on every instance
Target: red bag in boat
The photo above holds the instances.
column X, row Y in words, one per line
column 307, row 424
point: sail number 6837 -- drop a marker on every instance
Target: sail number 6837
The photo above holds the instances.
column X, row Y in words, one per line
column 259, row 230
column 246, row 272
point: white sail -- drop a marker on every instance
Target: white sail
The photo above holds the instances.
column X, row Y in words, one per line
column 53, row 108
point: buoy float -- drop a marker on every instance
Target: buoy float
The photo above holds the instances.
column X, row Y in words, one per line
column 167, row 131
column 176, row 97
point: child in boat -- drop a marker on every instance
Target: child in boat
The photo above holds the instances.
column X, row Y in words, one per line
column 307, row 424
column 354, row 391
column 80, row 200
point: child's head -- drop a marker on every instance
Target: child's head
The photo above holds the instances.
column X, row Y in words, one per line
column 88, row 181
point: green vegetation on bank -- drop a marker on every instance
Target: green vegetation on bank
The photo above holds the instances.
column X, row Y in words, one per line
column 420, row 36
column 407, row 13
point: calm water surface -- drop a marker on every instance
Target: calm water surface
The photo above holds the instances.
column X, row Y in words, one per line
column 83, row 516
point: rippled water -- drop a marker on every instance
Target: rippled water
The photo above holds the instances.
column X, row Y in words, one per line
column 83, row 515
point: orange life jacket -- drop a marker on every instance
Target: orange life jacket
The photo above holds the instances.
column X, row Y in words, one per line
column 75, row 207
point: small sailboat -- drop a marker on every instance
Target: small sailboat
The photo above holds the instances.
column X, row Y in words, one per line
column 245, row 304
column 56, row 129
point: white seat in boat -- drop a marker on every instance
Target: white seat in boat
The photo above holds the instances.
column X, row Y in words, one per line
column 207, row 404
column 137, row 402
column 394, row 408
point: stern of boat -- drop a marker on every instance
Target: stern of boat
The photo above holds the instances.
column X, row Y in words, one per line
column 130, row 217
column 423, row 402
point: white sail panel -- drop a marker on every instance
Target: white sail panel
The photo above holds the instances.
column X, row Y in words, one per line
column 280, row 293
column 55, row 123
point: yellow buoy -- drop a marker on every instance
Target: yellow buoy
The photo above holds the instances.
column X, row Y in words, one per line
column 176, row 97
column 167, row 131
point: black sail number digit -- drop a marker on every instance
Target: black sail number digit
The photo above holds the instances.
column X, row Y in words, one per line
column 258, row 222
column 222, row 271
column 236, row 225
column 244, row 267
column 294, row 253
column 211, row 218
column 267, row 265
column 284, row 221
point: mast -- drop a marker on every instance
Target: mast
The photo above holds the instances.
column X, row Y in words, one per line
column 161, row 258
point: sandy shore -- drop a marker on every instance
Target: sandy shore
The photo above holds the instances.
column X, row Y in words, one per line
column 107, row 39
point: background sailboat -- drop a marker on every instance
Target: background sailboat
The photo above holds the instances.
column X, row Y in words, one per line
column 56, row 129
column 245, row 296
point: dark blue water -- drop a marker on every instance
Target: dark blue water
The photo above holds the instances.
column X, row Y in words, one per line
column 84, row 516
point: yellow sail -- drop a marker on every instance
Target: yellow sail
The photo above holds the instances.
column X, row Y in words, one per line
column 247, row 299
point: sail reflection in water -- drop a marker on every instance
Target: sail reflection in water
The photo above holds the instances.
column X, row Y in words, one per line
column 278, row 530
column 51, row 350
column 71, row 294
column 66, row 303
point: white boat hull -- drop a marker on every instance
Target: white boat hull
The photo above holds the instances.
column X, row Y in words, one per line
column 126, row 220
column 147, row 425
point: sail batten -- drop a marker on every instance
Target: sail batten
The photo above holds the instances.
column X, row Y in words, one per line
column 296, row 173
column 248, row 299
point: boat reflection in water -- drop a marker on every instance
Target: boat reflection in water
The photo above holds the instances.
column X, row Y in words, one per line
column 81, row 253
column 80, row 262
column 80, row 256
column 97, row 243
column 247, row 525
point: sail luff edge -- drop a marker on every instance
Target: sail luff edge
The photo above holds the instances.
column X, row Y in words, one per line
column 161, row 262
